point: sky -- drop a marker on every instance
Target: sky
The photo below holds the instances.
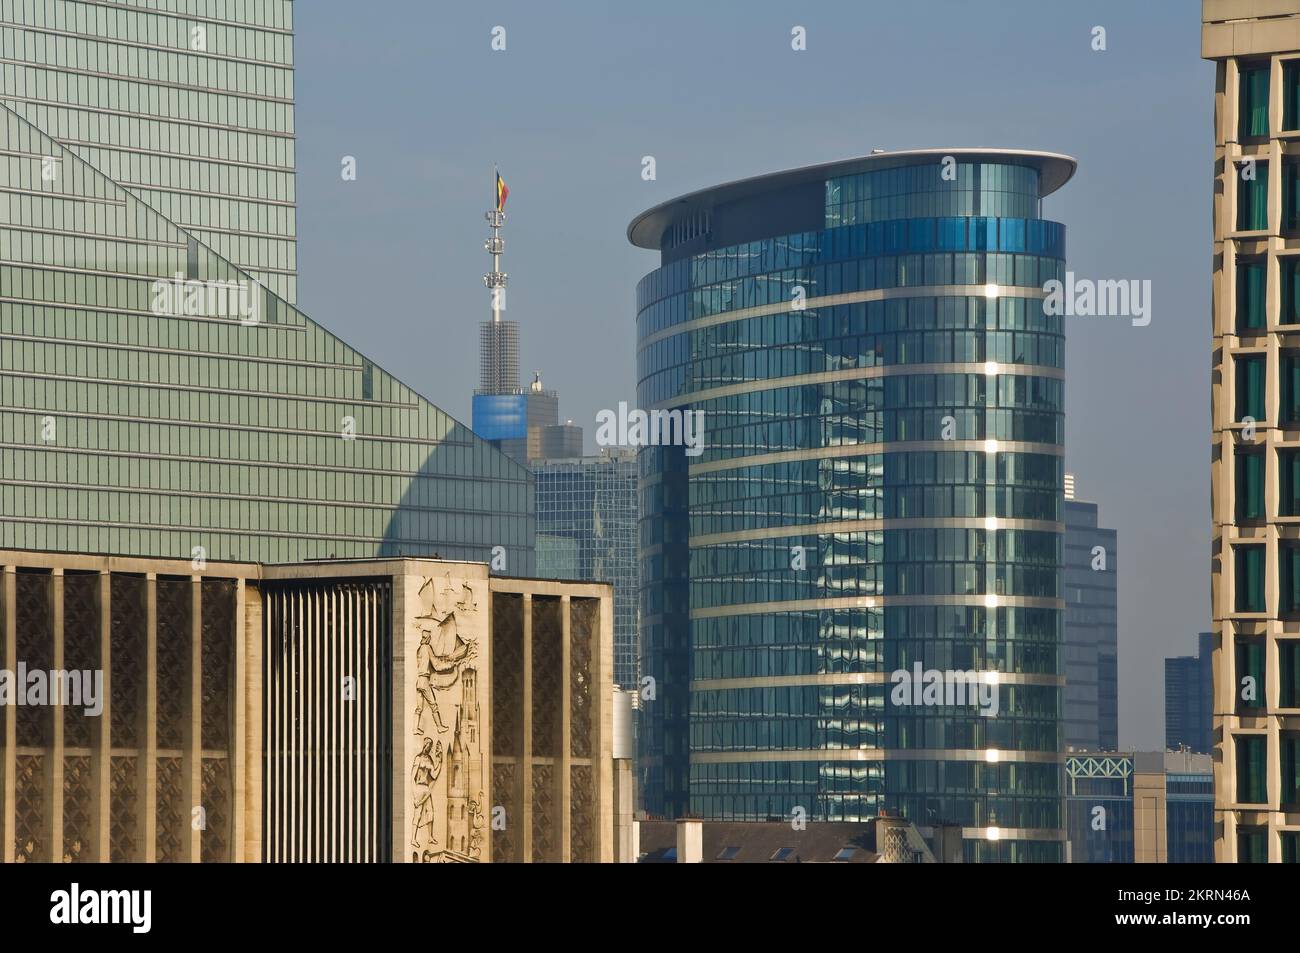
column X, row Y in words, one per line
column 393, row 261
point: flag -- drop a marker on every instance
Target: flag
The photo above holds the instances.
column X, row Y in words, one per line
column 503, row 192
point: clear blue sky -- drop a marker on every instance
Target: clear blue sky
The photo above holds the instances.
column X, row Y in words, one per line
column 393, row 262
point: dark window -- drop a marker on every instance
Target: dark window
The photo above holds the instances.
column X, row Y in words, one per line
column 1288, row 651
column 1250, row 578
column 1289, row 412
column 1289, row 562
column 728, row 853
column 1250, row 485
column 1250, row 388
column 1252, row 285
column 1288, row 472
column 1290, row 95
column 1289, row 274
column 1290, row 768
column 845, row 854
column 1250, row 673
column 782, row 854
column 1252, row 196
column 1254, row 102
column 1252, row 845
column 1252, row 768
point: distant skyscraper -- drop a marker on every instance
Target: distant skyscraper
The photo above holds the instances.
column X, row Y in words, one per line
column 1255, row 410
column 1091, row 629
column 587, row 530
column 1189, row 693
column 879, row 487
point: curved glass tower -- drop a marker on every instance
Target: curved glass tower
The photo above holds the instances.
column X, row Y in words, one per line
column 877, row 503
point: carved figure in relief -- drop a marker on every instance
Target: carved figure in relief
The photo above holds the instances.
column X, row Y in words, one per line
column 426, row 770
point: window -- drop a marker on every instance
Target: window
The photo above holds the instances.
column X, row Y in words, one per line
column 1250, row 673
column 1291, row 95
column 1251, row 289
column 1252, row 196
column 1289, row 563
column 1288, row 268
column 1289, row 412
column 1250, row 388
column 1250, row 578
column 782, row 854
column 1290, row 768
column 1254, row 102
column 844, row 855
column 1252, row 787
column 1252, row 845
column 1291, row 847
column 1250, row 485
column 1288, row 651
column 728, row 853
column 1289, row 478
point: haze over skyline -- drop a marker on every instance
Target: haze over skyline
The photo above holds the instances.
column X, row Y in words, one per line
column 393, row 261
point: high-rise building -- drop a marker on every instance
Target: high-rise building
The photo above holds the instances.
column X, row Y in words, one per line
column 156, row 400
column 1189, row 691
column 1091, row 629
column 1144, row 807
column 1255, row 401
column 587, row 530
column 187, row 106
column 880, row 487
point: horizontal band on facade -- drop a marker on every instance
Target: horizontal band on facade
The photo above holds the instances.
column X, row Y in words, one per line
column 179, row 156
column 873, row 525
column 92, row 236
column 867, row 449
column 1013, row 834
column 861, row 374
column 118, row 77
column 847, row 297
column 851, row 678
column 875, row 602
column 178, row 51
column 97, row 309
column 878, row 754
column 182, row 352
column 42, row 193
column 124, row 114
column 134, row 187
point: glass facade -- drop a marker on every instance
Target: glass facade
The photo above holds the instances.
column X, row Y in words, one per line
column 1091, row 721
column 186, row 104
column 880, row 484
column 587, row 530
column 136, row 421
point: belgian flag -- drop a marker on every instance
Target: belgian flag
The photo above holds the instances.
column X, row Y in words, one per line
column 503, row 192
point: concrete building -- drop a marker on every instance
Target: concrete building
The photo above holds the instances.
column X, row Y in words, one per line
column 369, row 710
column 1189, row 693
column 879, row 486
column 157, row 396
column 587, row 529
column 1255, row 399
column 1091, row 649
column 1144, row 807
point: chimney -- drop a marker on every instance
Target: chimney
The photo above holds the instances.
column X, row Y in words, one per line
column 690, row 841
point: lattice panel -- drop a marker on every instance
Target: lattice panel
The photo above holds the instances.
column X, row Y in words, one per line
column 128, row 638
column 123, row 808
column 35, row 642
column 80, row 650
column 30, row 837
column 582, row 811
column 78, row 809
column 215, row 841
column 583, row 614
column 218, row 662
column 545, row 822
column 548, row 673
column 173, row 813
column 505, row 843
column 174, row 604
column 507, row 675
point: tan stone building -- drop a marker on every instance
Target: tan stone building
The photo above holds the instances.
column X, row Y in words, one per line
column 1255, row 45
column 369, row 710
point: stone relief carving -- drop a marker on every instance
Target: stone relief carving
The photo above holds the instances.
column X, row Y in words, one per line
column 447, row 778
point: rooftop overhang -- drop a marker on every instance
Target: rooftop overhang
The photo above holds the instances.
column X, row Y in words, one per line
column 647, row 229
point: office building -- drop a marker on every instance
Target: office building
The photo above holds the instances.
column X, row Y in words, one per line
column 406, row 710
column 587, row 529
column 1144, row 807
column 1255, row 410
column 155, row 399
column 1091, row 629
column 880, row 485
column 1189, row 690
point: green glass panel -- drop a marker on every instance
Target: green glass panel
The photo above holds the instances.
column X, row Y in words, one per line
column 1252, row 197
column 1252, row 283
column 1254, row 102
column 1290, row 767
column 1250, row 486
column 1252, row 767
column 1250, row 388
column 1250, row 578
column 1250, row 672
column 1288, row 651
